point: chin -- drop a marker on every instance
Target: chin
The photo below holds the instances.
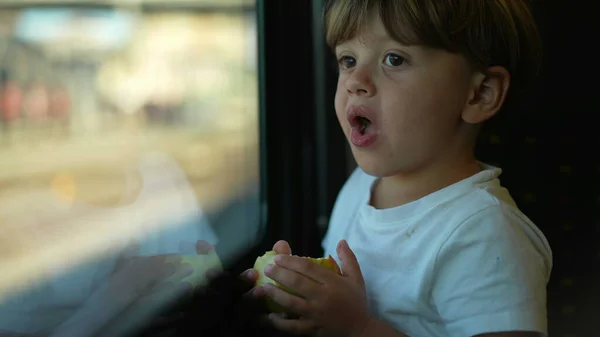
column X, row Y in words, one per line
column 377, row 171
column 374, row 166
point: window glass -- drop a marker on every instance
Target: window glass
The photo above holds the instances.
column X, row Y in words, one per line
column 128, row 129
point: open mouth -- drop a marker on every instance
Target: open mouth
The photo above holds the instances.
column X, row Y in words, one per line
column 362, row 124
column 364, row 130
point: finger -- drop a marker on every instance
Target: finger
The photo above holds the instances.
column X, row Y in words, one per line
column 298, row 283
column 256, row 292
column 350, row 266
column 282, row 247
column 294, row 303
column 303, row 267
column 299, row 326
column 249, row 275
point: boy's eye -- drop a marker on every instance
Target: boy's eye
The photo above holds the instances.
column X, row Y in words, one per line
column 394, row 60
column 347, row 62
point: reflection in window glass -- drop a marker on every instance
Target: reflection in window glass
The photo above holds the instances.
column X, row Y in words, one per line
column 129, row 144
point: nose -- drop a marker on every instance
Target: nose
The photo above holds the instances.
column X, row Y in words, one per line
column 360, row 82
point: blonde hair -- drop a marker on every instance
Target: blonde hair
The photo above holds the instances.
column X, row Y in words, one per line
column 486, row 32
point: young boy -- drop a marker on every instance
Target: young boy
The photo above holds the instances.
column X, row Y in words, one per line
column 443, row 249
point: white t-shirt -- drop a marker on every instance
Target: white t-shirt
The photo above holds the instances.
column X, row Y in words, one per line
column 70, row 299
column 459, row 262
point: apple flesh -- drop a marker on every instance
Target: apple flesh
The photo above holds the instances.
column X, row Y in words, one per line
column 269, row 258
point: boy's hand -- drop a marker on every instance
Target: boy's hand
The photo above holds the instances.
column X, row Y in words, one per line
column 331, row 305
column 250, row 275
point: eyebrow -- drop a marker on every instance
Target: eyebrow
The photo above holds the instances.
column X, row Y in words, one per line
column 382, row 40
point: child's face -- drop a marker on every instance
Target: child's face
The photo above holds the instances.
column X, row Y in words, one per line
column 413, row 97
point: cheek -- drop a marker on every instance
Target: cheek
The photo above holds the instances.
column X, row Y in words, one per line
column 426, row 105
column 419, row 117
column 404, row 110
column 340, row 102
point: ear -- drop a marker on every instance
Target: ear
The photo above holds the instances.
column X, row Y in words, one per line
column 488, row 95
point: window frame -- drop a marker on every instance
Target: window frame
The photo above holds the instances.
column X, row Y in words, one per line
column 304, row 163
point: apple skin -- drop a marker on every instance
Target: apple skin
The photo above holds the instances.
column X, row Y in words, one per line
column 268, row 258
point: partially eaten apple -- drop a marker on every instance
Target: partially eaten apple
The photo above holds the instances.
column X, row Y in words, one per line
column 269, row 258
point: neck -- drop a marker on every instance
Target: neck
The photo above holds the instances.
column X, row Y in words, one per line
column 400, row 189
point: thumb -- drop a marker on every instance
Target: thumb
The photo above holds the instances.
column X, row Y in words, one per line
column 350, row 266
column 282, row 247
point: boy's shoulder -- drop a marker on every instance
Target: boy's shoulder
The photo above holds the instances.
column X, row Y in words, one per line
column 472, row 194
column 479, row 198
column 478, row 205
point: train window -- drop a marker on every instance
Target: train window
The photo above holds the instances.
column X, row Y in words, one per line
column 128, row 129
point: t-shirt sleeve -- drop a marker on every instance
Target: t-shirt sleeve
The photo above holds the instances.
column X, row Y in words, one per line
column 491, row 276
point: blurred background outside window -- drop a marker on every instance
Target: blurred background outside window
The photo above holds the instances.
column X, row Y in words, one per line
column 123, row 124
